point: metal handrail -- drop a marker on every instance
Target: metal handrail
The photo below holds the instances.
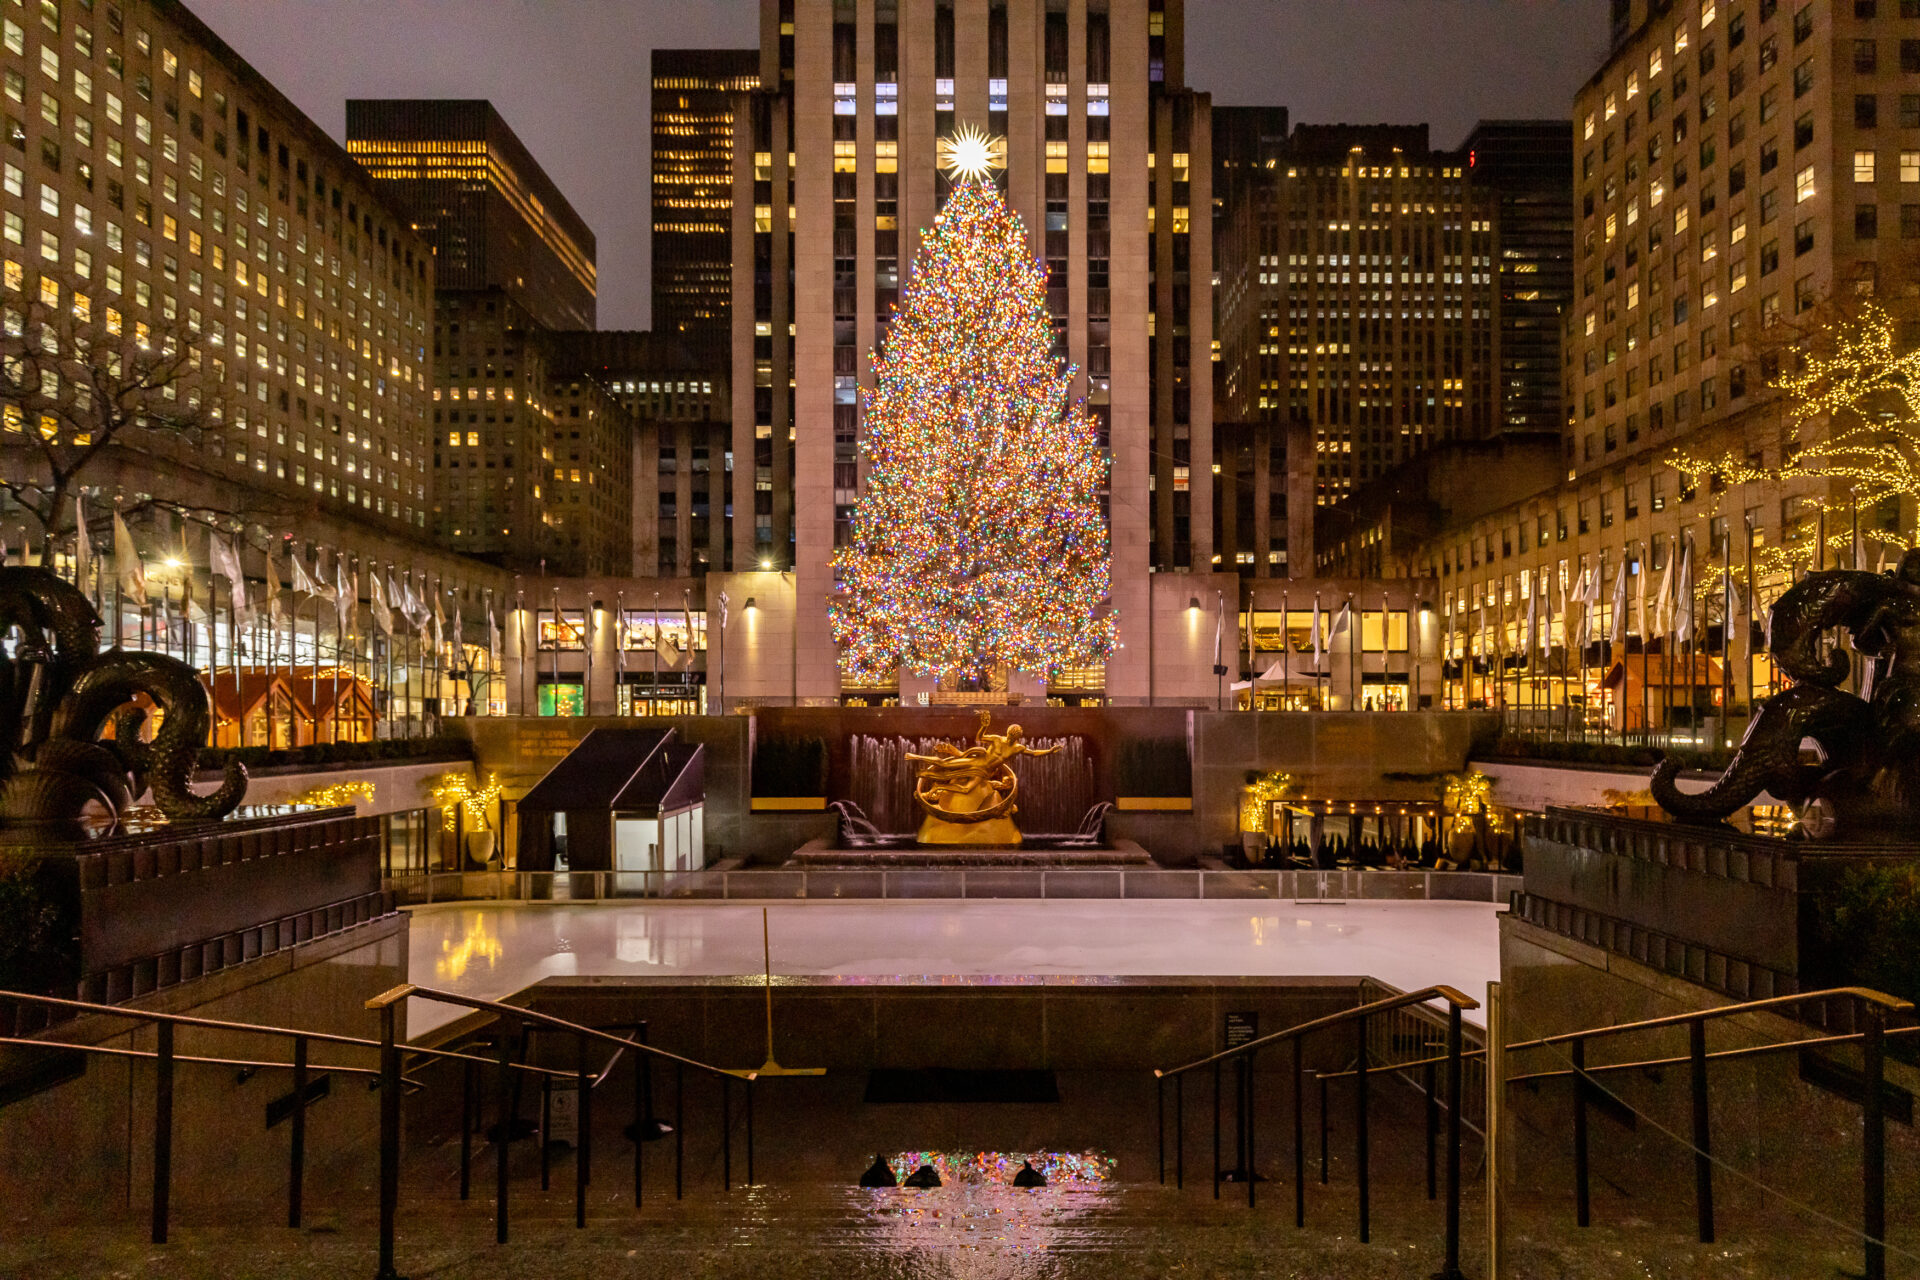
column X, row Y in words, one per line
column 217, row 1024
column 1874, row 1007
column 408, row 990
column 1749, row 1051
column 111, row 1052
column 1456, row 1000
column 1242, row 1057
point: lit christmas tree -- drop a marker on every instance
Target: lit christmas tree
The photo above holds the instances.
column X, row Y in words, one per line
column 980, row 541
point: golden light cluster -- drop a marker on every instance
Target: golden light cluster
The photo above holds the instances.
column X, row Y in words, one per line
column 336, row 793
column 462, row 791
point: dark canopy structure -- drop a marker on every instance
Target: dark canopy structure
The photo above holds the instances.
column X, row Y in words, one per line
column 614, row 775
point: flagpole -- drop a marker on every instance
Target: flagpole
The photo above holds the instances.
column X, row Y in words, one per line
column 1753, row 602
column 1286, row 663
column 653, row 694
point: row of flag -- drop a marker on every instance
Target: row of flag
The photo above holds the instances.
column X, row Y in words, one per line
column 386, row 597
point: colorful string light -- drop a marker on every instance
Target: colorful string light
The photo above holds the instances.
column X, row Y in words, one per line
column 980, row 542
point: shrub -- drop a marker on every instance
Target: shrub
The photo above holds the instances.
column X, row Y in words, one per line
column 1863, row 929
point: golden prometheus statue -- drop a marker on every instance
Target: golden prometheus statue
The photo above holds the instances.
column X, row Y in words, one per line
column 968, row 794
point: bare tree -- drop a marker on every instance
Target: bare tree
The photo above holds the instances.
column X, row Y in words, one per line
column 77, row 382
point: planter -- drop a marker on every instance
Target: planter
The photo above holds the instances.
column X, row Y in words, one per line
column 1161, row 804
column 788, row 804
column 480, row 847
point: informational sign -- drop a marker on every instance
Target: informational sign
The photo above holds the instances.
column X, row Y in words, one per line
column 1242, row 1028
column 563, row 1115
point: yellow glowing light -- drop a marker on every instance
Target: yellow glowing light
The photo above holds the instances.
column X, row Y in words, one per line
column 970, row 154
column 336, row 793
column 460, row 792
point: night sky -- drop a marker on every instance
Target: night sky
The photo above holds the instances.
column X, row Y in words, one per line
column 570, row 76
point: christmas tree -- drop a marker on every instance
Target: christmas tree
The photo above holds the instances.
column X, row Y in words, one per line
column 980, row 541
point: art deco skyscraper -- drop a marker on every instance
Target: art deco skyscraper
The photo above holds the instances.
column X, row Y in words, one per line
column 1107, row 157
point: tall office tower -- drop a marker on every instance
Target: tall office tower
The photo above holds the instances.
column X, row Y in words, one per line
column 1357, row 299
column 1263, row 507
column 1526, row 166
column 682, row 455
column 161, row 186
column 1106, row 157
column 1739, row 162
column 692, row 179
column 532, row 459
column 494, row 218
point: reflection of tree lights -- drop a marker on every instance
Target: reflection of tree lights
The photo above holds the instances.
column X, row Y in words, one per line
column 480, row 943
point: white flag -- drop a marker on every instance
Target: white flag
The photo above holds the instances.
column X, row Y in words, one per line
column 493, row 640
column 1663, row 602
column 82, row 546
column 1683, row 630
column 1640, row 600
column 439, row 621
column 686, row 614
column 1618, row 632
column 459, row 638
column 301, row 582
column 1315, row 634
column 346, row 591
column 273, row 588
column 127, row 569
column 377, row 602
column 223, row 560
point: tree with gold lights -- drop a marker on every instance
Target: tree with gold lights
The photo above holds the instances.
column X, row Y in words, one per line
column 1855, row 395
column 980, row 542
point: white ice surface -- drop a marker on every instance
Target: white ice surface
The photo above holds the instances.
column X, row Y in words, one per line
column 495, row 949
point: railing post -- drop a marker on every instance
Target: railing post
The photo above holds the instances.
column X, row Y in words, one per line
column 296, row 1169
column 1433, row 1122
column 1299, row 1144
column 679, row 1127
column 1495, row 1040
column 503, row 1135
column 642, row 1113
column 1702, row 1150
column 1582, row 1199
column 750, row 1084
column 1180, row 1133
column 1873, row 1145
column 726, row 1133
column 1455, row 1068
column 1160, row 1123
column 546, row 1130
column 1216, row 1128
column 162, row 1129
column 389, row 1138
column 1360, row 1145
column 1247, row 1105
column 583, row 1119
column 466, row 1129
column 1323, row 1131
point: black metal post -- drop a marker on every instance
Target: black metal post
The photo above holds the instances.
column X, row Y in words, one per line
column 679, row 1127
column 1323, row 1131
column 1246, row 1105
column 1179, row 1133
column 1702, row 1149
column 1582, row 1198
column 582, row 1118
column 546, row 1133
column 162, row 1129
column 297, row 1168
column 750, row 1133
column 1433, row 1124
column 389, row 1140
column 1873, row 1145
column 1216, row 1129
column 503, row 1136
column 726, row 1133
column 1455, row 1069
column 1360, row 1144
column 642, row 1117
column 1160, row 1122
column 466, row 1129
column 1299, row 1145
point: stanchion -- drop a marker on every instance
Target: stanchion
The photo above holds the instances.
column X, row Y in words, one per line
column 1360, row 1144
column 1451, row 1269
column 1582, row 1196
column 582, row 1131
column 503, row 1135
column 1299, row 1144
column 296, row 1171
column 162, row 1129
column 1702, row 1138
column 1873, row 1143
column 466, row 1129
column 389, row 1139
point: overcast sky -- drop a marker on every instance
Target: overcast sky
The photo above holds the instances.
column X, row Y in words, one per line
column 570, row 76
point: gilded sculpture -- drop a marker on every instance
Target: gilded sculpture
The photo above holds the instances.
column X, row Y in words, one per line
column 968, row 794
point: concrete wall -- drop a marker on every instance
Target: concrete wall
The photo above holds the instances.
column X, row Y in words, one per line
column 1330, row 754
